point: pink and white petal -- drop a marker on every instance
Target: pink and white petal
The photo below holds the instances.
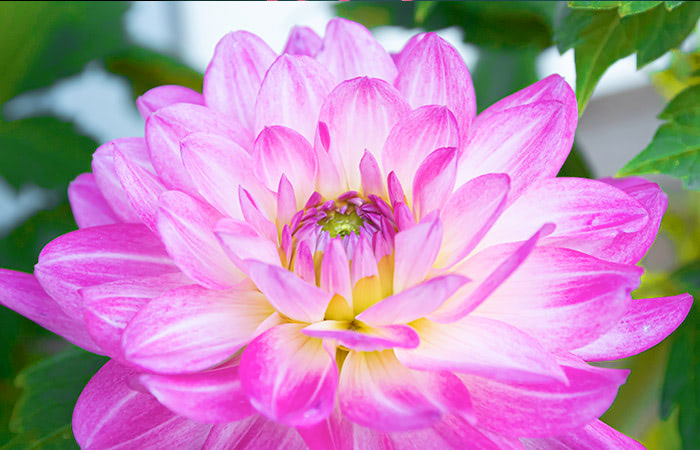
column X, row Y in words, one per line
column 303, row 41
column 257, row 216
column 190, row 329
column 371, row 176
column 349, row 50
column 433, row 73
column 186, row 227
column 281, row 151
column 407, row 48
column 580, row 208
column 213, row 396
column 363, row 263
column 596, row 435
column 335, row 273
column 170, row 125
column 162, row 96
column 646, row 323
column 366, row 338
column 564, row 298
column 234, row 75
column 97, row 255
column 414, row 137
column 468, row 215
column 413, row 303
column 486, row 347
column 240, row 241
column 291, row 95
column 289, row 377
column 358, row 115
column 21, row 293
column 253, row 433
column 304, row 263
column 434, row 181
column 142, row 189
column 527, row 142
column 415, row 251
column 286, row 203
column 109, row 307
column 90, row 209
column 109, row 414
column 540, row 410
column 289, row 294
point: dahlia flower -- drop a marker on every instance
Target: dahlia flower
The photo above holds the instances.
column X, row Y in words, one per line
column 328, row 248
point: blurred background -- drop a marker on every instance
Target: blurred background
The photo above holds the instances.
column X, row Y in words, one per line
column 70, row 74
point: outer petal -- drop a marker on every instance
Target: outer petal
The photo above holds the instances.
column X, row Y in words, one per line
column 142, row 188
column 191, row 328
column 349, row 50
column 594, row 435
column 186, row 227
column 364, row 338
column 303, row 41
column 289, row 377
column 415, row 252
column 109, row 414
column 89, row 207
column 646, row 323
column 253, row 433
column 433, row 73
column 434, row 181
column 292, row 94
column 22, row 293
column 214, row 396
column 162, row 96
column 98, row 255
column 234, row 75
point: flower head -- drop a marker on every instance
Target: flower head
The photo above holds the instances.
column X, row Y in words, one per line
column 329, row 248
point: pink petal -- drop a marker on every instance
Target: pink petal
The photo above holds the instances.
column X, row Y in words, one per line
column 407, row 48
column 486, row 347
column 304, row 263
column 434, row 181
column 469, row 213
column 371, row 176
column 349, row 50
column 241, row 242
column 186, row 228
column 109, row 307
column 109, row 414
column 286, row 202
column 290, row 378
column 162, row 96
column 646, row 323
column 563, row 298
column 170, row 125
column 292, row 93
column 415, row 252
column 234, row 75
column 253, row 433
column 335, row 274
column 21, row 293
column 414, row 137
column 359, row 114
column 279, row 150
column 98, row 255
column 364, row 339
column 433, row 73
column 594, row 435
column 413, row 303
column 289, row 294
column 89, row 207
column 192, row 328
column 363, row 262
column 303, row 41
column 142, row 189
column 213, row 396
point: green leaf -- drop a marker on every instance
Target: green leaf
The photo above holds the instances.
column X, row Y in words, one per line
column 575, row 165
column 675, row 148
column 672, row 4
column 625, row 8
column 594, row 5
column 43, row 150
column 600, row 38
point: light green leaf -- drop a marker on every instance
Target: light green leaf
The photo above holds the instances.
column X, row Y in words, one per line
column 636, row 7
column 594, row 4
column 672, row 4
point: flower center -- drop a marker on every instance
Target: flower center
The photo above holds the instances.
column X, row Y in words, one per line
column 339, row 224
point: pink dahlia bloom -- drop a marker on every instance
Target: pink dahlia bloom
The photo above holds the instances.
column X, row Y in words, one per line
column 328, row 248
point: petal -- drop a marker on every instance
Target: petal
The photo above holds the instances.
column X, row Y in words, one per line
column 349, row 50
column 335, row 274
column 98, row 255
column 186, row 228
column 407, row 48
column 109, row 414
column 414, row 137
column 142, row 189
column 363, row 263
column 192, row 328
column 289, row 294
column 240, row 241
column 22, row 294
column 363, row 338
column 213, row 396
column 162, row 96
column 303, row 41
column 290, row 378
column 359, row 114
column 253, row 433
column 90, row 209
column 646, row 323
column 485, row 347
column 415, row 252
column 292, row 94
column 434, row 181
column 371, row 176
column 255, row 214
column 433, row 73
column 594, row 435
column 234, row 75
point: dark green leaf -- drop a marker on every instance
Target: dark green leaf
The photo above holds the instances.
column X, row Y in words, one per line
column 575, row 165
column 636, row 7
column 672, row 4
column 594, row 5
column 499, row 73
column 375, row 14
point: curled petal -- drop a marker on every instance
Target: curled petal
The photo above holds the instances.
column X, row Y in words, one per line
column 364, row 338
